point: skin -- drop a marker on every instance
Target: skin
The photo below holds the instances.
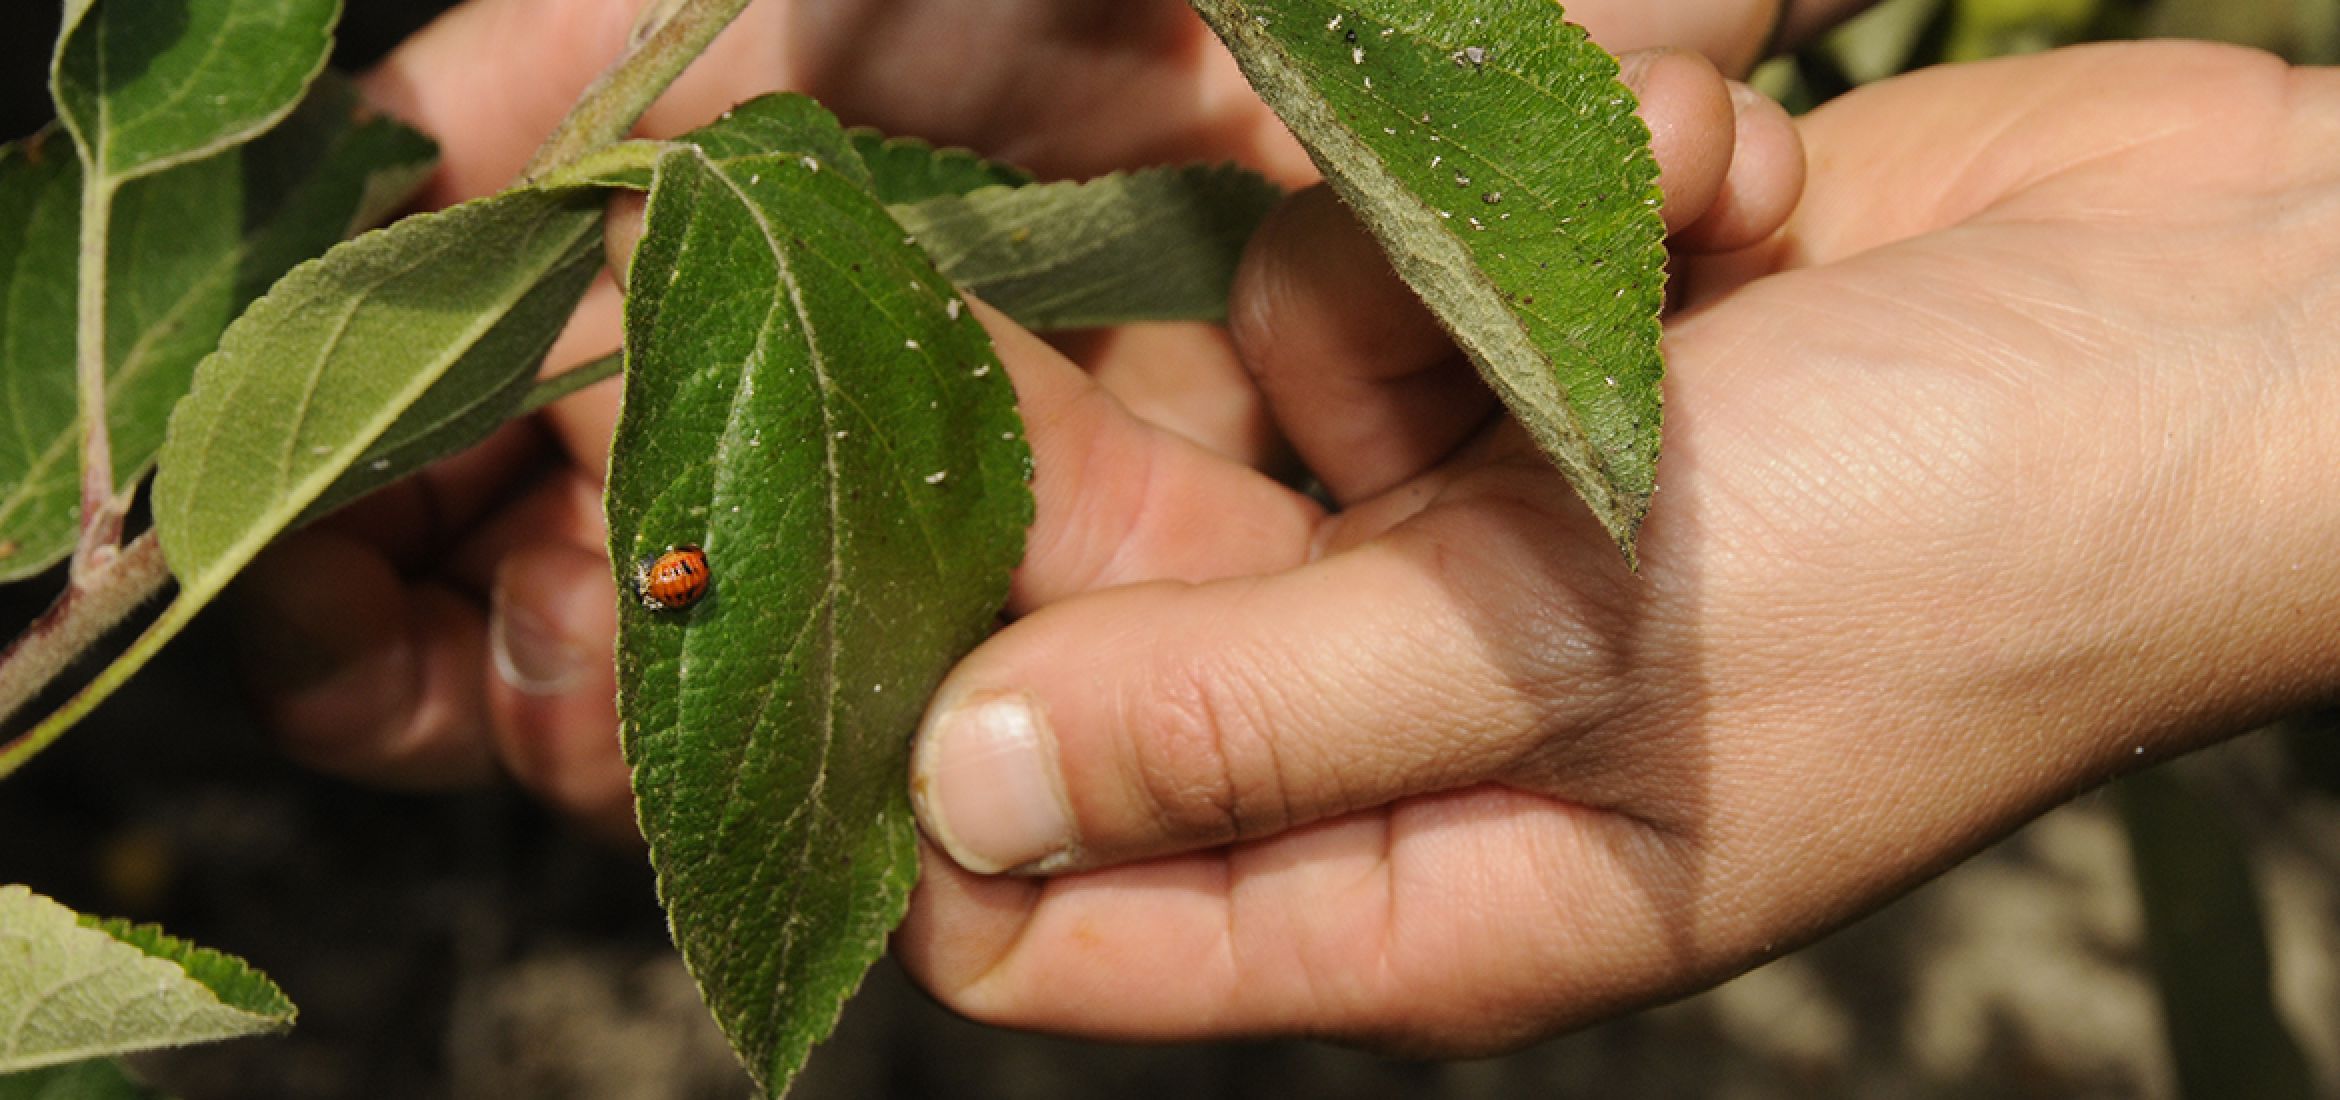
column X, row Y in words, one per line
column 1974, row 496
column 459, row 624
column 1969, row 503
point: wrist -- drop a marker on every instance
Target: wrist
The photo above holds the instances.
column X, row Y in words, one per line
column 2233, row 609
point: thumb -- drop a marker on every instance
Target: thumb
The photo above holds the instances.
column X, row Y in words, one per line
column 1149, row 719
column 489, row 79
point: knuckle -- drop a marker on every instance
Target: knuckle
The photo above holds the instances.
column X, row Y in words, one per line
column 1203, row 756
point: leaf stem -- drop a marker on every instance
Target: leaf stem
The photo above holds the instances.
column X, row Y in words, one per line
column 571, row 380
column 670, row 35
column 101, row 508
column 82, row 615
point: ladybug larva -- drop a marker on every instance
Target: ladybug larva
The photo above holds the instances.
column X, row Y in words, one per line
column 674, row 579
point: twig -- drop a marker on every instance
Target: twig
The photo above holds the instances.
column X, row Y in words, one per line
column 87, row 610
column 571, row 380
column 670, row 35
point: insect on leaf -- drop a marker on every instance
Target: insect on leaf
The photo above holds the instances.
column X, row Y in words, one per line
column 811, row 404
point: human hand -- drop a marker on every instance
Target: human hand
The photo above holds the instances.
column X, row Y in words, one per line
column 459, row 623
column 2006, row 467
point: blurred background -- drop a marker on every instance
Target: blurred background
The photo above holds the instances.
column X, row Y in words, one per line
column 2175, row 936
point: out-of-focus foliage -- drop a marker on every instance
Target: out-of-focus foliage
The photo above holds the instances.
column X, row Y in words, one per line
column 1898, row 35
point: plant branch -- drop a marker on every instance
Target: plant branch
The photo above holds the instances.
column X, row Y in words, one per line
column 87, row 610
column 670, row 35
column 571, row 380
column 101, row 508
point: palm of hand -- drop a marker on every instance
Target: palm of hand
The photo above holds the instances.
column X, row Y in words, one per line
column 1939, row 514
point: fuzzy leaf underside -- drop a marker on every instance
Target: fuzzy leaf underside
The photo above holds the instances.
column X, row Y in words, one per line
column 762, row 128
column 1492, row 150
column 808, row 401
column 1146, row 245
column 191, row 247
column 1154, row 245
column 148, row 84
column 400, row 345
column 74, row 988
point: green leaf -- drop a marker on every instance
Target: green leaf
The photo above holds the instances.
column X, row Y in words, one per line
column 392, row 349
column 1161, row 244
column 190, row 248
column 1151, row 245
column 73, row 988
column 146, row 84
column 403, row 344
column 96, row 1079
column 666, row 37
column 763, row 127
column 40, row 220
column 808, row 401
column 2226, row 1034
column 1490, row 147
column 908, row 170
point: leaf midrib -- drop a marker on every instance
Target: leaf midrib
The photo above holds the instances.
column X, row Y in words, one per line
column 1546, row 320
column 268, row 523
column 833, row 587
column 1479, row 339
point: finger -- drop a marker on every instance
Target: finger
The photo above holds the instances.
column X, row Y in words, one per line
column 581, row 424
column 1763, row 185
column 1938, row 147
column 1163, row 718
column 359, row 673
column 550, row 673
column 413, row 519
column 552, row 699
column 1349, row 929
column 1184, row 377
column 1365, row 385
column 1119, row 501
column 1730, row 33
column 1687, row 106
column 491, row 78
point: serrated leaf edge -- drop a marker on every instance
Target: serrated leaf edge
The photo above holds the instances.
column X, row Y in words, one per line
column 1445, row 274
column 265, row 1022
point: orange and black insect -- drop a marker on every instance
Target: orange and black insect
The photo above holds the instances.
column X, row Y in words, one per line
column 675, row 579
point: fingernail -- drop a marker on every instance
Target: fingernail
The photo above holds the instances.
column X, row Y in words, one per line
column 987, row 787
column 530, row 654
column 1633, row 67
